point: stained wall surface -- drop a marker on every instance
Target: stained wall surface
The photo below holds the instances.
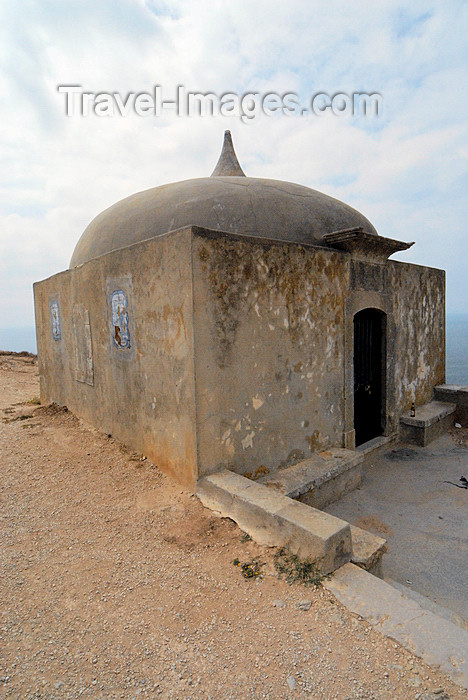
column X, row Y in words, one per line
column 418, row 295
column 274, row 347
column 269, row 351
column 138, row 386
column 206, row 350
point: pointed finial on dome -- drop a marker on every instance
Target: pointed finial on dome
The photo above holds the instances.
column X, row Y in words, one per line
column 227, row 163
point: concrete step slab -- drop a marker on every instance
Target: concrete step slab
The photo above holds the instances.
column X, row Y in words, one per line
column 437, row 641
column 377, row 444
column 368, row 550
column 431, row 420
column 428, row 604
column 319, row 480
column 452, row 393
column 273, row 519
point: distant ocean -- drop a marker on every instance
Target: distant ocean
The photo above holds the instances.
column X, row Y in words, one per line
column 457, row 349
column 18, row 339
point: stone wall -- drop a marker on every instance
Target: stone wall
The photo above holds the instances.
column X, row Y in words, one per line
column 269, row 347
column 205, row 350
column 418, row 295
column 129, row 369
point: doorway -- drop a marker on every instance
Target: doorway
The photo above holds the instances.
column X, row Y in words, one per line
column 369, row 374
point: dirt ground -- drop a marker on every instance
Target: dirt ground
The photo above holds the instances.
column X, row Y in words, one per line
column 117, row 583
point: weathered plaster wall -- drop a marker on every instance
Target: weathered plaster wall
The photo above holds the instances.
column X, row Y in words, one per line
column 269, row 351
column 419, row 314
column 238, row 351
column 144, row 394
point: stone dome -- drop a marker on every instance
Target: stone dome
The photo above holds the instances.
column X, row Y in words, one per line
column 227, row 201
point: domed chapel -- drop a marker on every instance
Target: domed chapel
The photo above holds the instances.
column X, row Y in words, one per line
column 239, row 322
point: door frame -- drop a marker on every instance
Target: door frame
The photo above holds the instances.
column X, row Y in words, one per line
column 380, row 320
column 359, row 300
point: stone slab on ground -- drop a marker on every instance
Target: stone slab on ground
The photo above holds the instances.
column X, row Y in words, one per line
column 430, row 421
column 368, row 550
column 319, row 480
column 273, row 519
column 453, row 393
column 428, row 414
column 427, row 603
column 437, row 641
column 376, row 444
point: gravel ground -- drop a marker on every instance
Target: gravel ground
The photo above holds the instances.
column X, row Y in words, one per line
column 117, row 583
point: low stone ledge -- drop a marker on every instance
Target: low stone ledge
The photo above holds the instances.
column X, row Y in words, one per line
column 453, row 393
column 320, row 480
column 376, row 444
column 428, row 414
column 368, row 550
column 273, row 519
column 431, row 420
column 438, row 642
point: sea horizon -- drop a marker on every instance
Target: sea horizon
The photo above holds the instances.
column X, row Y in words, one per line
column 24, row 339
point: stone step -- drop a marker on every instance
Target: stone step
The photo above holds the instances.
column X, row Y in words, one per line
column 454, row 393
column 428, row 604
column 438, row 642
column 321, row 479
column 273, row 519
column 431, row 420
column 368, row 550
column 377, row 444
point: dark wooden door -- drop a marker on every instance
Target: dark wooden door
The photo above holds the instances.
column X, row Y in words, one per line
column 369, row 374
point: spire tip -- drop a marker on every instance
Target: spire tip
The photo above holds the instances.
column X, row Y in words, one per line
column 227, row 165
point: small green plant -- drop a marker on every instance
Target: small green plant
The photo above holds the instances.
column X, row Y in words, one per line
column 250, row 569
column 35, row 401
column 295, row 570
column 12, row 420
column 245, row 537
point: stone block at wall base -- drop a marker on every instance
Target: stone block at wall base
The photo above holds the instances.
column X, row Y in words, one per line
column 273, row 519
column 431, row 420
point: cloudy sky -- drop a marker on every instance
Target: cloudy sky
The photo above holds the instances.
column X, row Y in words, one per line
column 406, row 170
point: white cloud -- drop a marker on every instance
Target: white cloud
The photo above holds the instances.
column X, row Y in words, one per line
column 406, row 172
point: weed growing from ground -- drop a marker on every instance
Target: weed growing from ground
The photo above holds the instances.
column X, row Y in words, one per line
column 295, row 570
column 250, row 569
